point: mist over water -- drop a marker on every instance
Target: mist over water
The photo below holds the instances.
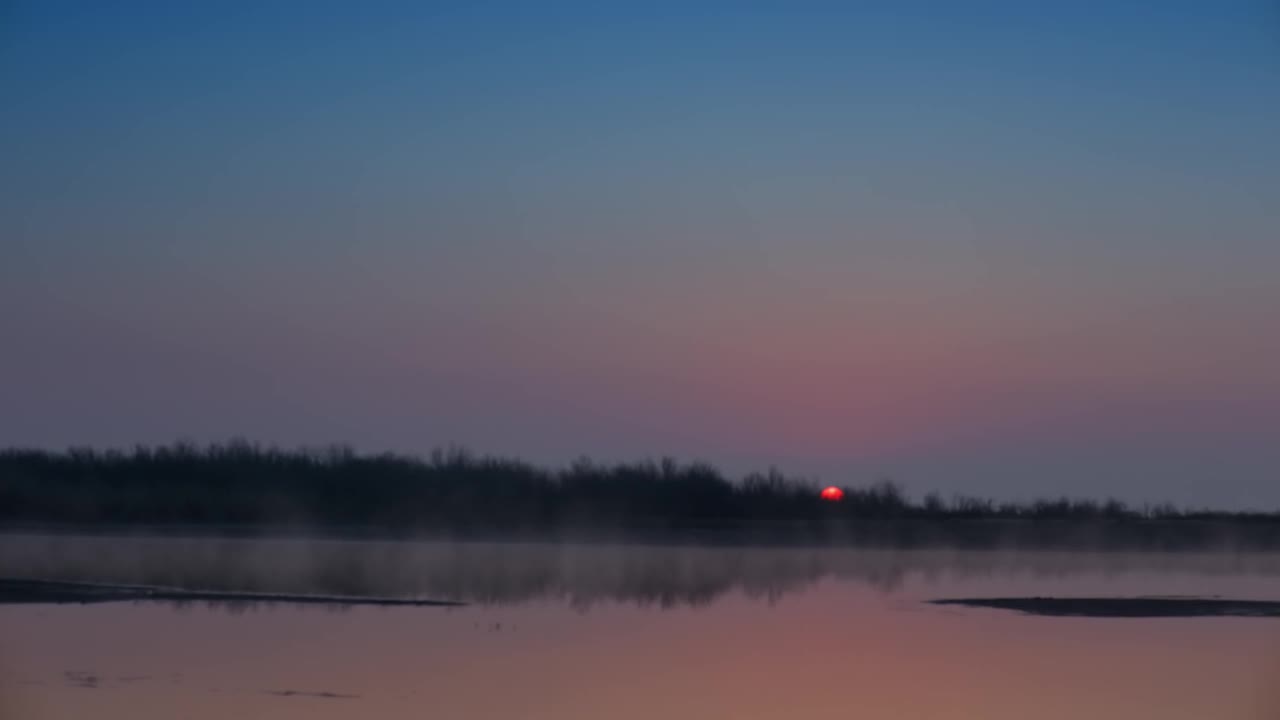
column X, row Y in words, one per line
column 579, row 575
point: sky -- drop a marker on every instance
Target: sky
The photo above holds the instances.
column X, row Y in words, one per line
column 998, row 248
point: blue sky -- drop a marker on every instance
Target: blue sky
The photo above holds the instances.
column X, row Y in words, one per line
column 1004, row 248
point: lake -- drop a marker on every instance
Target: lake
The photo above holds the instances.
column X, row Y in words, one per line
column 569, row 632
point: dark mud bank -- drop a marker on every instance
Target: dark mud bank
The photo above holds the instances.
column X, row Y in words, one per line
column 19, row 591
column 1135, row 607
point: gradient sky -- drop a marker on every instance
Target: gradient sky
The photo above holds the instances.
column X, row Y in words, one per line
column 1001, row 248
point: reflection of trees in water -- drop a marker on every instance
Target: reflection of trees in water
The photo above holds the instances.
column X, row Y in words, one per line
column 577, row 575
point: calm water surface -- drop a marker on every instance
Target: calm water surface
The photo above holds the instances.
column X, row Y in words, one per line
column 572, row 632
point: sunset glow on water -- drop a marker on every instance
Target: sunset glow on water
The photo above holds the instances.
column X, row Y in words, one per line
column 854, row 637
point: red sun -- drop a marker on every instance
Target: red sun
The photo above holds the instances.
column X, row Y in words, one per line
column 832, row 494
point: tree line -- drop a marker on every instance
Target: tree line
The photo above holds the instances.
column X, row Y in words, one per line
column 240, row 484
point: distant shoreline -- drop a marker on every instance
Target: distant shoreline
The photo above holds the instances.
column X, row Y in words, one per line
column 241, row 489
